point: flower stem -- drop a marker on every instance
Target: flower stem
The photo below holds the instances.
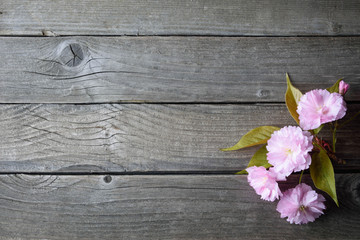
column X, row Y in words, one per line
column 302, row 172
column 334, row 137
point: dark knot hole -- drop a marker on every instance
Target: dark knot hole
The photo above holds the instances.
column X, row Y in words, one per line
column 72, row 55
column 107, row 179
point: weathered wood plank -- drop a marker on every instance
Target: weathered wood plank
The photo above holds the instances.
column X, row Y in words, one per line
column 161, row 207
column 172, row 69
column 201, row 17
column 141, row 137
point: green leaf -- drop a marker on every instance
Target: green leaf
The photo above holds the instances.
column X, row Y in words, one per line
column 242, row 172
column 317, row 130
column 292, row 97
column 335, row 87
column 257, row 136
column 259, row 159
column 322, row 174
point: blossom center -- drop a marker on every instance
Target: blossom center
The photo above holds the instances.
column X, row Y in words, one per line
column 323, row 110
column 264, row 180
column 302, row 208
column 288, row 151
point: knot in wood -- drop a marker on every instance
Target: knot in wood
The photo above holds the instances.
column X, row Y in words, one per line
column 72, row 55
column 262, row 93
column 107, row 179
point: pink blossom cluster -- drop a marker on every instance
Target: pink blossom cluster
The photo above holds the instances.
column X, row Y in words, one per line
column 289, row 151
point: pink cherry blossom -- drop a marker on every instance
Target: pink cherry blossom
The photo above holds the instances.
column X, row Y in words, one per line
column 288, row 150
column 343, row 87
column 320, row 106
column 301, row 204
column 264, row 182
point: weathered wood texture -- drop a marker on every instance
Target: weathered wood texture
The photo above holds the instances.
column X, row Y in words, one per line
column 172, row 69
column 141, row 137
column 164, row 157
column 201, row 17
column 161, row 207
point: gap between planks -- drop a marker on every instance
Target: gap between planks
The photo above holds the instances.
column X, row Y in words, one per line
column 158, row 173
column 184, row 36
column 139, row 173
column 348, row 103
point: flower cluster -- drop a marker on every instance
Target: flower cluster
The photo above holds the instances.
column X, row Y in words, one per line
column 294, row 149
column 288, row 151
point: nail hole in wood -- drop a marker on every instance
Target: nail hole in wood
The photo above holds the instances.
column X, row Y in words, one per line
column 107, row 179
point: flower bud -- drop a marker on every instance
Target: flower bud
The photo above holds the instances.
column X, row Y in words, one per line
column 343, row 87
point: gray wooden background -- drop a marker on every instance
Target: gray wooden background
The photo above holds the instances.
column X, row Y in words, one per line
column 112, row 114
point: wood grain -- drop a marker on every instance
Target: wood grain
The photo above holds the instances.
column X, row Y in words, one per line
column 200, row 17
column 78, row 97
column 142, row 137
column 161, row 207
column 172, row 69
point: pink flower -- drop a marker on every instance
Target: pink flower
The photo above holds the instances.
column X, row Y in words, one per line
column 264, row 182
column 319, row 106
column 343, row 87
column 289, row 150
column 301, row 204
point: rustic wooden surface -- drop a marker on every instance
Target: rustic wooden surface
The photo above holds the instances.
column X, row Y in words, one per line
column 188, row 17
column 108, row 136
column 142, row 137
column 161, row 207
column 172, row 69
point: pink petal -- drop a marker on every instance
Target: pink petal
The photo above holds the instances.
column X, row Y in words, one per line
column 264, row 183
